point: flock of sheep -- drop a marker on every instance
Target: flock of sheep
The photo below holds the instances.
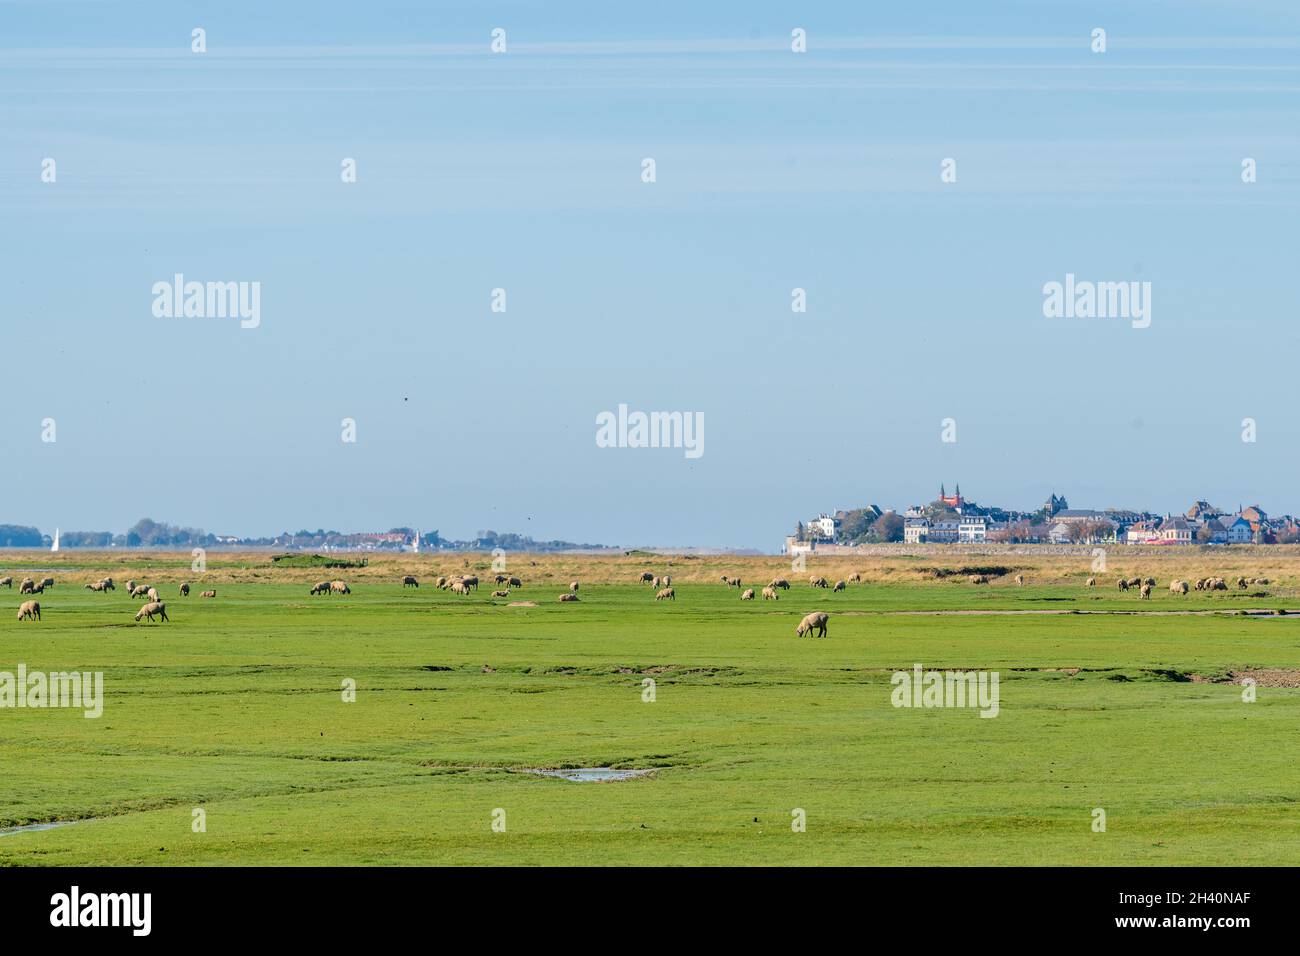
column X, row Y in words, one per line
column 815, row 623
column 1144, row 585
column 153, row 608
column 769, row 592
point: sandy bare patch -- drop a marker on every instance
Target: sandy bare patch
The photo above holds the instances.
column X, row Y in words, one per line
column 1269, row 677
column 523, row 604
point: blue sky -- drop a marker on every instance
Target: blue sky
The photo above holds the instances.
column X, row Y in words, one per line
column 522, row 170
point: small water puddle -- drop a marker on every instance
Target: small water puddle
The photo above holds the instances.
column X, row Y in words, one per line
column 36, row 826
column 591, row 774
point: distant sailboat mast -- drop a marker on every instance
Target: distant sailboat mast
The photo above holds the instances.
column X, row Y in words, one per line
column 415, row 545
column 56, row 540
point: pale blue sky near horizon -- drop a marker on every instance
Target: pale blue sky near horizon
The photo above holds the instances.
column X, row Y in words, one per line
column 522, row 170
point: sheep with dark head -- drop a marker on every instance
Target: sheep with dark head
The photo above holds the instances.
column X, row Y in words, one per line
column 816, row 621
column 152, row 608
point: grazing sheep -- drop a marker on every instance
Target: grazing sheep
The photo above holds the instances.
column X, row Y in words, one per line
column 816, row 621
column 515, row 583
column 731, row 582
column 748, row 595
column 1090, row 583
column 459, row 587
column 568, row 597
column 855, row 578
column 36, row 589
column 501, row 594
column 781, row 583
column 1219, row 585
column 1020, row 580
column 839, row 586
column 47, row 582
column 339, row 587
column 29, row 611
column 108, row 584
column 978, row 579
column 666, row 580
column 647, row 577
column 210, row 594
column 818, row 582
column 1259, row 580
column 656, row 584
column 1123, row 585
column 26, row 586
column 130, row 586
column 440, row 584
column 410, row 582
column 152, row 608
column 502, row 578
column 96, row 586
column 322, row 587
column 470, row 582
column 1150, row 581
column 1178, row 587
column 152, row 595
column 667, row 594
column 185, row 589
column 1135, row 582
column 1146, row 592
column 1200, row 584
column 769, row 594
column 573, row 587
column 139, row 591
column 7, row 582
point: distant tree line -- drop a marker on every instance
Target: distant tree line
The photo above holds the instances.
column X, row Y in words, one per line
column 18, row 536
column 148, row 533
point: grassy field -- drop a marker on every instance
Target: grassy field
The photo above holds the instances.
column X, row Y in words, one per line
column 236, row 707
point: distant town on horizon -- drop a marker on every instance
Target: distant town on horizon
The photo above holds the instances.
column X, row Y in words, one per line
column 948, row 519
column 955, row 519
